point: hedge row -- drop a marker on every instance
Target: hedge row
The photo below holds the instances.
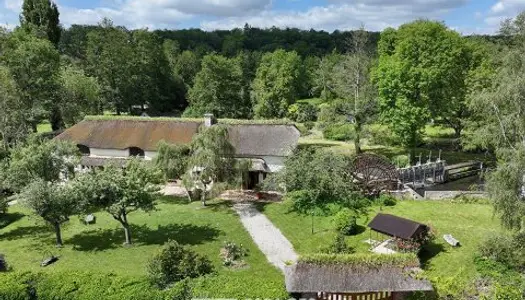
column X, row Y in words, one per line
column 90, row 286
column 367, row 259
column 82, row 286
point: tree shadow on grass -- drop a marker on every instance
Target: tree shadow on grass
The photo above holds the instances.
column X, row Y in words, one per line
column 103, row 239
column 8, row 219
column 358, row 230
column 170, row 199
column 223, row 206
column 429, row 251
column 25, row 232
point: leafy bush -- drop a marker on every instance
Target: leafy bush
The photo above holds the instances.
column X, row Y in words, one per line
column 505, row 249
column 302, row 112
column 401, row 161
column 232, row 253
column 302, row 129
column 174, row 263
column 338, row 246
column 417, row 243
column 387, row 200
column 328, row 114
column 309, row 125
column 506, row 292
column 339, row 132
column 345, row 222
column 300, row 200
column 381, row 135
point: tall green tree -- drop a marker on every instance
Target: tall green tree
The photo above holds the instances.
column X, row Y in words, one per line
column 314, row 180
column 120, row 191
column 211, row 160
column 217, row 89
column 249, row 62
column 152, row 81
column 324, row 84
column 34, row 64
column 498, row 105
column 421, row 68
column 110, row 59
column 277, row 83
column 54, row 203
column 186, row 67
column 352, row 84
column 49, row 161
column 42, row 16
column 80, row 95
column 172, row 159
column 14, row 126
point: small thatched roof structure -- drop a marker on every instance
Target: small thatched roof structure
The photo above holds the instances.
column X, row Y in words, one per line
column 341, row 278
column 248, row 138
column 396, row 226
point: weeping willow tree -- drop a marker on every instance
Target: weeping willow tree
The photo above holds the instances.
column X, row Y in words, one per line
column 211, row 161
column 498, row 125
column 172, row 159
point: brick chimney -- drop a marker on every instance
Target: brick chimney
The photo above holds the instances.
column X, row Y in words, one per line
column 209, row 120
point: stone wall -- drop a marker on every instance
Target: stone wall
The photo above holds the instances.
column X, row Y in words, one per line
column 441, row 195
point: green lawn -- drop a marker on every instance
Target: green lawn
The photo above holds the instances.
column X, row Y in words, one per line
column 98, row 248
column 469, row 223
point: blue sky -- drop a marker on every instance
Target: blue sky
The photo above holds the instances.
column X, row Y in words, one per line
column 465, row 16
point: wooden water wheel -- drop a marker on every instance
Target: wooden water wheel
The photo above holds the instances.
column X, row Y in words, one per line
column 374, row 173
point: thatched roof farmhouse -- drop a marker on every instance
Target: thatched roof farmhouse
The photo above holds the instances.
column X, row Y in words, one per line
column 114, row 139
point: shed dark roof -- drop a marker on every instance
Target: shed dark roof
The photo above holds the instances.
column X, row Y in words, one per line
column 341, row 278
column 248, row 139
column 396, row 226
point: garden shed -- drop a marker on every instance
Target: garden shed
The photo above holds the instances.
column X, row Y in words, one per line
column 352, row 282
column 395, row 226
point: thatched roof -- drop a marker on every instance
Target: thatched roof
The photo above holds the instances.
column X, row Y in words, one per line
column 258, row 139
column 396, row 226
column 343, row 278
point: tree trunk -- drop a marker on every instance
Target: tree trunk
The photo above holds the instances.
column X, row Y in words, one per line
column 357, row 139
column 58, row 234
column 127, row 231
column 55, row 118
column 203, row 195
column 457, row 131
column 312, row 223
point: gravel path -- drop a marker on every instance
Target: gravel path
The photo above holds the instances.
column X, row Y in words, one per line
column 269, row 239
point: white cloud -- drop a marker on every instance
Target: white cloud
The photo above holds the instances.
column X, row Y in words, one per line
column 344, row 14
column 13, row 5
column 215, row 7
column 503, row 9
column 147, row 13
column 132, row 13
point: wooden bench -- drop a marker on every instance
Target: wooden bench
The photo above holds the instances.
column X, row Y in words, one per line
column 451, row 240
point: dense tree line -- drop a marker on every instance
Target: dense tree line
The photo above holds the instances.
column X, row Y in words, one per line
column 230, row 42
column 405, row 78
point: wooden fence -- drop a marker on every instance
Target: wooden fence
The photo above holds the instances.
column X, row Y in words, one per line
column 356, row 296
